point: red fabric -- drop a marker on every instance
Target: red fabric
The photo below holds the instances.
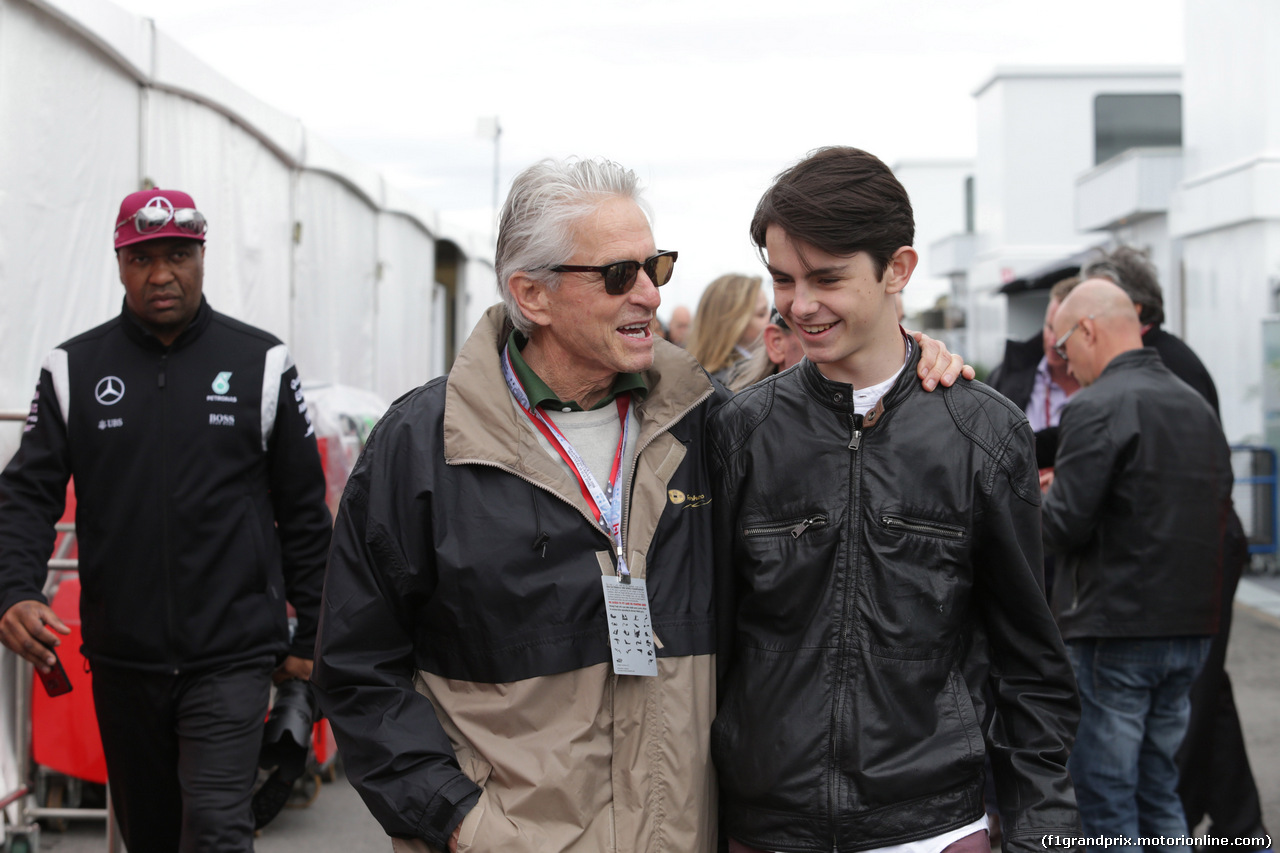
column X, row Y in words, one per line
column 64, row 729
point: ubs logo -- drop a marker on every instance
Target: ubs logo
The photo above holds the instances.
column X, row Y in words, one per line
column 109, row 390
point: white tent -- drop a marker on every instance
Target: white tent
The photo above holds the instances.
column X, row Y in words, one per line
column 96, row 103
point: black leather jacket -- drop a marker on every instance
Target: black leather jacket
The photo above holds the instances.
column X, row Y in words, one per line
column 1140, row 498
column 1015, row 376
column 876, row 574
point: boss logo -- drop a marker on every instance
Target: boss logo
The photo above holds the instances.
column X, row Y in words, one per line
column 216, row 419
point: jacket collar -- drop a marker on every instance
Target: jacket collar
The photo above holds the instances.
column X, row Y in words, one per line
column 1028, row 353
column 838, row 396
column 482, row 425
column 142, row 336
column 1140, row 357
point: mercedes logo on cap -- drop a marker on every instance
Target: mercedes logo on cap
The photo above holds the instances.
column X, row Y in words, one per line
column 109, row 390
column 161, row 201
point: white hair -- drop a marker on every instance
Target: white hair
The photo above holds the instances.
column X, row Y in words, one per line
column 536, row 230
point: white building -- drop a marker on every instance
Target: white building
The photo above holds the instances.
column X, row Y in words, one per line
column 362, row 281
column 940, row 192
column 1181, row 163
column 1225, row 213
column 1038, row 129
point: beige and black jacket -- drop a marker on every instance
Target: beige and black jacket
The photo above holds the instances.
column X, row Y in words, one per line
column 463, row 657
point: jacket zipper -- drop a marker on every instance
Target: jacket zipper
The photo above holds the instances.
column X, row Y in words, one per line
column 635, row 462
column 165, row 520
column 622, row 534
column 846, row 615
column 796, row 527
column 928, row 528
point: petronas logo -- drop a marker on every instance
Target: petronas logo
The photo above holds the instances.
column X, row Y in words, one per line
column 222, row 384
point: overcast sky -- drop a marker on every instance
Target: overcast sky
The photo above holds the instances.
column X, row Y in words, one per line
column 705, row 99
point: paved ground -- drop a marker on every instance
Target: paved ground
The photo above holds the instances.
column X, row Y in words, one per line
column 1253, row 661
column 338, row 821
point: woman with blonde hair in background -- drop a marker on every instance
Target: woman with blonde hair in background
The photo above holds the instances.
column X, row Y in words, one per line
column 732, row 313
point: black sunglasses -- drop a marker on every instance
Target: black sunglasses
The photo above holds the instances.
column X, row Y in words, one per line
column 620, row 277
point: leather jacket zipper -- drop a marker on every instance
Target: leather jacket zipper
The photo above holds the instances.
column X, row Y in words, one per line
column 795, row 527
column 928, row 528
column 847, row 612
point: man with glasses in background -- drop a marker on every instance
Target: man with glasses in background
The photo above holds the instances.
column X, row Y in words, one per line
column 200, row 510
column 1138, row 501
column 516, row 648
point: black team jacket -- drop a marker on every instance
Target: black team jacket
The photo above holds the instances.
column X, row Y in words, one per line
column 199, row 494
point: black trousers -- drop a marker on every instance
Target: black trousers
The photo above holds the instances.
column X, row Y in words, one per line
column 1214, row 774
column 182, row 754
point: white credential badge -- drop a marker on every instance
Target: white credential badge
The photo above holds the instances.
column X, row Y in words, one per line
column 630, row 631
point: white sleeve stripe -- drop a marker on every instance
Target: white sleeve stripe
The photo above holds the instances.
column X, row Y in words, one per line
column 56, row 363
column 278, row 360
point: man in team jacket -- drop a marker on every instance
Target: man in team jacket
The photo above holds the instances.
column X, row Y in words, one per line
column 200, row 510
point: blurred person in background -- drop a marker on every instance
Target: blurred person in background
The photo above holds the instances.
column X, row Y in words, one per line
column 200, row 510
column 732, row 313
column 1035, row 378
column 678, row 328
column 780, row 348
column 1215, row 778
column 1133, row 272
column 1140, row 493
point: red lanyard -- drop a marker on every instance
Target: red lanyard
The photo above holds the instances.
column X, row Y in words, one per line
column 557, row 439
column 606, row 506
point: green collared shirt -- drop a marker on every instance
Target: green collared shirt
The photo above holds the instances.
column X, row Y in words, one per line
column 541, row 395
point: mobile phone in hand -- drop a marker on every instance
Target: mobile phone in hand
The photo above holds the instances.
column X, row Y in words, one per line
column 55, row 681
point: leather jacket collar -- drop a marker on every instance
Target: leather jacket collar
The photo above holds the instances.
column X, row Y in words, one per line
column 838, row 396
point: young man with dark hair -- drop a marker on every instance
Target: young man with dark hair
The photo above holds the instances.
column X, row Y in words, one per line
column 883, row 626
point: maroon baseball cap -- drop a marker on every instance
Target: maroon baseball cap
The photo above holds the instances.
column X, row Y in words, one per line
column 153, row 214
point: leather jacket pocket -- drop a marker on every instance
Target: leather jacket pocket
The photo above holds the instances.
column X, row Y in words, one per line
column 921, row 526
column 920, row 582
column 784, row 566
column 917, row 734
column 793, row 527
